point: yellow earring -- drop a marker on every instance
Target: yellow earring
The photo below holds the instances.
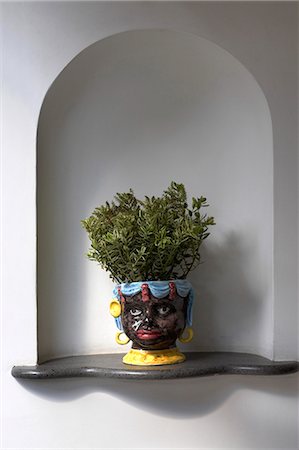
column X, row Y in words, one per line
column 121, row 341
column 189, row 336
column 115, row 308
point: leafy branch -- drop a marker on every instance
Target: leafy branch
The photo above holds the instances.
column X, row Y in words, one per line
column 157, row 238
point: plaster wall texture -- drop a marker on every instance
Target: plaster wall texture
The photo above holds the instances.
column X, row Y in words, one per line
column 39, row 39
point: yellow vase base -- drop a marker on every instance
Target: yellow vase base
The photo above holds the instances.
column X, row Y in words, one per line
column 153, row 357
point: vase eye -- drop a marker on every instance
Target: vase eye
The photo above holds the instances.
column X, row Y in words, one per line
column 163, row 310
column 135, row 312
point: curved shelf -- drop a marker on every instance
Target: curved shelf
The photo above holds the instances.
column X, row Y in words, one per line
column 197, row 364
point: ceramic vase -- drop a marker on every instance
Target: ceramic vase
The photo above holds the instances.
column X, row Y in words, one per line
column 153, row 315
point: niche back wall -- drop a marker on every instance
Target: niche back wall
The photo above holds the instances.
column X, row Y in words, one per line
column 139, row 109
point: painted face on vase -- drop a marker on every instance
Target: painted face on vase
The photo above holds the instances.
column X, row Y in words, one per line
column 153, row 323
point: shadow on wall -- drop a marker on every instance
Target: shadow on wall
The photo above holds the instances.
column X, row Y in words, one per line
column 181, row 399
column 226, row 295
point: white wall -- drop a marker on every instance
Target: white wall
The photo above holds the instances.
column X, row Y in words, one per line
column 137, row 110
column 231, row 412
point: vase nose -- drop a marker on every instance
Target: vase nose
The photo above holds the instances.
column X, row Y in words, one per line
column 148, row 322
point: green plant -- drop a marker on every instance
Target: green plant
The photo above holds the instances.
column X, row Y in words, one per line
column 157, row 238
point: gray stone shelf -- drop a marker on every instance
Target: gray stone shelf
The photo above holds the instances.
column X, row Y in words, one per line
column 197, row 364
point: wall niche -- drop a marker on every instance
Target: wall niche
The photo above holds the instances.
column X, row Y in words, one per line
column 139, row 109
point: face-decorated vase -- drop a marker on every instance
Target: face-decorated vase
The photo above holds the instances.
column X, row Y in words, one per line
column 153, row 315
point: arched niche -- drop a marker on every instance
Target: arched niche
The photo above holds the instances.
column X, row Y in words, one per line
column 139, row 109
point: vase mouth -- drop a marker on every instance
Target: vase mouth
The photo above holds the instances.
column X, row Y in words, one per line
column 158, row 289
column 174, row 280
column 177, row 282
